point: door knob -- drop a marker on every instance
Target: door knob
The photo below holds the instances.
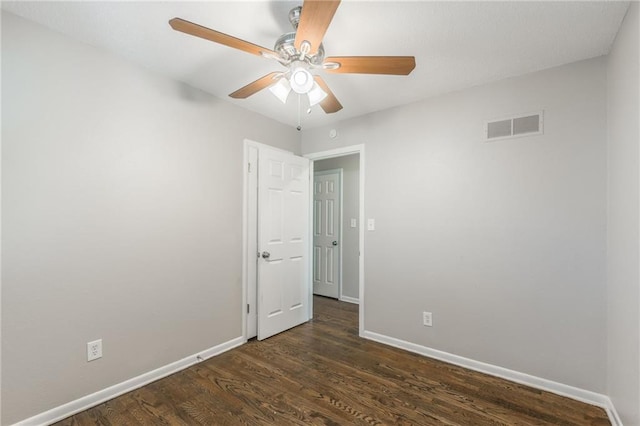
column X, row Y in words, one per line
column 266, row 254
column 335, row 243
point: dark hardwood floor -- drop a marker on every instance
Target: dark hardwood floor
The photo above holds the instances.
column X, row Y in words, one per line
column 323, row 373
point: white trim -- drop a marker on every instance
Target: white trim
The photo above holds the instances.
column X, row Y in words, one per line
column 340, row 152
column 614, row 417
column 88, row 401
column 310, row 238
column 349, row 300
column 337, row 152
column 245, row 234
column 561, row 389
column 327, row 172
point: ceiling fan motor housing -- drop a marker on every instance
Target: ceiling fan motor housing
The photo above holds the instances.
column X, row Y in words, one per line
column 285, row 47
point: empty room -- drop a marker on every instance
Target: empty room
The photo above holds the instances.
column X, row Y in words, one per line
column 320, row 212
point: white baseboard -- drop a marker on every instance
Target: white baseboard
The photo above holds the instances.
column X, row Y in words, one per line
column 350, row 300
column 578, row 394
column 614, row 417
column 86, row 402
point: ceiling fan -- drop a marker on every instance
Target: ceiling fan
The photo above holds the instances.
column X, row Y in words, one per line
column 302, row 52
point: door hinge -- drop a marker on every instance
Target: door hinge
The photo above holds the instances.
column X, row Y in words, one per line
column 248, row 308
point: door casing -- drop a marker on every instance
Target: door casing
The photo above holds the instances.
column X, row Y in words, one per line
column 247, row 257
column 341, row 152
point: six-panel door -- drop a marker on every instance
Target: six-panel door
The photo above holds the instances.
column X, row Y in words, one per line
column 283, row 217
column 326, row 234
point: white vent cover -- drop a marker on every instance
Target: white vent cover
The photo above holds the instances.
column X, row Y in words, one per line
column 514, row 126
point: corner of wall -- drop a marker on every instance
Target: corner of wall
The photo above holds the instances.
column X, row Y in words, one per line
column 623, row 214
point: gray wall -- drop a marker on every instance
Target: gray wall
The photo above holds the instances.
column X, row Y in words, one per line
column 121, row 212
column 121, row 220
column 623, row 233
column 504, row 241
column 350, row 166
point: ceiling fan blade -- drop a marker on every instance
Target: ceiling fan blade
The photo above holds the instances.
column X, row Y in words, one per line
column 315, row 18
column 216, row 36
column 394, row 65
column 256, row 86
column 329, row 104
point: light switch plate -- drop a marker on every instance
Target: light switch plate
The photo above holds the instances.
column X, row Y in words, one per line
column 353, row 223
column 371, row 225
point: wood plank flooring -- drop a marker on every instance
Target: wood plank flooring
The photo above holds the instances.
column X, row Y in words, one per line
column 323, row 373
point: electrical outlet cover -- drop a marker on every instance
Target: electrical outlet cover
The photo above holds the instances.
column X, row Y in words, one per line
column 94, row 350
column 427, row 319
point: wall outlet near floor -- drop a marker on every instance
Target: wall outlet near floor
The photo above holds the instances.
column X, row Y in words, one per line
column 94, row 350
column 427, row 319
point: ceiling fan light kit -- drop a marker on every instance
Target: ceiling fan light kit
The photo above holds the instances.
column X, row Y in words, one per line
column 302, row 52
column 316, row 94
column 281, row 89
column 301, row 80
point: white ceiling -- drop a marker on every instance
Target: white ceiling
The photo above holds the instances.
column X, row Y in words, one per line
column 456, row 44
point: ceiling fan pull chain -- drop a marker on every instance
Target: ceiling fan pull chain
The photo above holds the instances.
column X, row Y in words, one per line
column 299, row 113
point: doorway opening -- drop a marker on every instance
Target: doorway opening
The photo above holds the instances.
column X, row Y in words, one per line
column 327, row 231
column 344, row 167
column 335, row 224
column 254, row 257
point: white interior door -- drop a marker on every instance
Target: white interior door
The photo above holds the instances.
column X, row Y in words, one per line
column 283, row 234
column 326, row 233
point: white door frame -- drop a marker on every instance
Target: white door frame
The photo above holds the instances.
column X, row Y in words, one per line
column 341, row 152
column 250, row 241
column 251, row 232
column 340, row 173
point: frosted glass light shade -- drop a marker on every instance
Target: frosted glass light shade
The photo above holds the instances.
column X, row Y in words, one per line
column 316, row 94
column 281, row 89
column 301, row 80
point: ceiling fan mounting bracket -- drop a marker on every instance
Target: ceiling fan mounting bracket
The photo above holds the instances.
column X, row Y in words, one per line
column 294, row 16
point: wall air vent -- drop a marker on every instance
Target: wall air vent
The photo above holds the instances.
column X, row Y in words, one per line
column 514, row 126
